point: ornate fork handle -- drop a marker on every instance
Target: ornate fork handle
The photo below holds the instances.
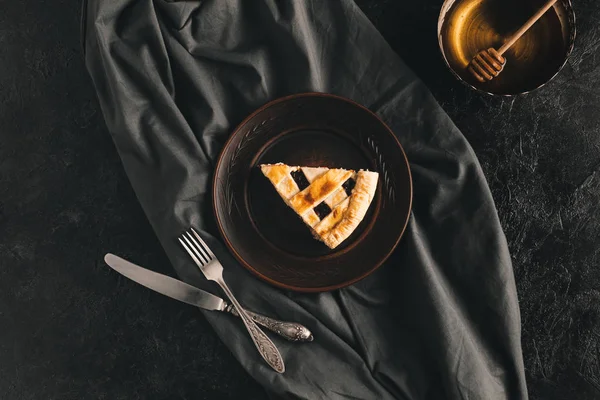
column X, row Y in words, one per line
column 212, row 269
column 292, row 331
column 262, row 342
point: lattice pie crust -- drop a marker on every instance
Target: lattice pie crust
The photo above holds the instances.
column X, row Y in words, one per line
column 332, row 202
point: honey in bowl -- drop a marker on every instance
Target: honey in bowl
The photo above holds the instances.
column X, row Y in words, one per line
column 467, row 26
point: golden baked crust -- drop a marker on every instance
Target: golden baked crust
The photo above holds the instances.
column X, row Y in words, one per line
column 359, row 201
column 339, row 214
column 319, row 189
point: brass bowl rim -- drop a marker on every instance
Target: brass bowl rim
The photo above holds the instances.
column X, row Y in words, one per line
column 573, row 33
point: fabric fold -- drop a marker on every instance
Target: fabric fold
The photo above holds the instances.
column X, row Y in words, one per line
column 440, row 320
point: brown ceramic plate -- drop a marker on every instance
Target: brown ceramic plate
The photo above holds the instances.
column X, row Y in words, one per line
column 310, row 129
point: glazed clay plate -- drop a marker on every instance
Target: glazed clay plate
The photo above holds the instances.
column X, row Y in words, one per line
column 316, row 130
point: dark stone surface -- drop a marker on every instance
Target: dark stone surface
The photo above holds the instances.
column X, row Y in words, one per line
column 71, row 329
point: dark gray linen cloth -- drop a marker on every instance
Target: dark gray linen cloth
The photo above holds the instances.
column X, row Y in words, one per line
column 440, row 320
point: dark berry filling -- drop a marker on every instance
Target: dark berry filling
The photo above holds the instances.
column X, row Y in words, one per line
column 349, row 186
column 322, row 210
column 300, row 179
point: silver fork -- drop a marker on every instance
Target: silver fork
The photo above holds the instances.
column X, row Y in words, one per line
column 213, row 271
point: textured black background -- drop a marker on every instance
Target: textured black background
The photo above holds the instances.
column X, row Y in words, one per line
column 72, row 329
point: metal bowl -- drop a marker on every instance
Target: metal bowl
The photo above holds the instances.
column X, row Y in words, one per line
column 467, row 26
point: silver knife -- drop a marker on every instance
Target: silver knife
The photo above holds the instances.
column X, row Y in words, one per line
column 189, row 294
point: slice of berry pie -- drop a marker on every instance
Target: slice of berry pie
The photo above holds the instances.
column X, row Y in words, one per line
column 332, row 202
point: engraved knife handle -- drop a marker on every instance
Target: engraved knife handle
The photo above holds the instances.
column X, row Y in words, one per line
column 292, row 331
column 264, row 345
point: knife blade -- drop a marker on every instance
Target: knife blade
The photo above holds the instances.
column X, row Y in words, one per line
column 189, row 294
column 164, row 284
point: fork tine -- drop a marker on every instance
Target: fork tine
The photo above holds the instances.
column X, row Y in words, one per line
column 196, row 247
column 203, row 243
column 191, row 253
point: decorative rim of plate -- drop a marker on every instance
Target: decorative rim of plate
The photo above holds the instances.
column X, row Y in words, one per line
column 220, row 223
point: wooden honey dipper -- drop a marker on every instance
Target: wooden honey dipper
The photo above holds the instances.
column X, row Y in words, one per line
column 488, row 64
